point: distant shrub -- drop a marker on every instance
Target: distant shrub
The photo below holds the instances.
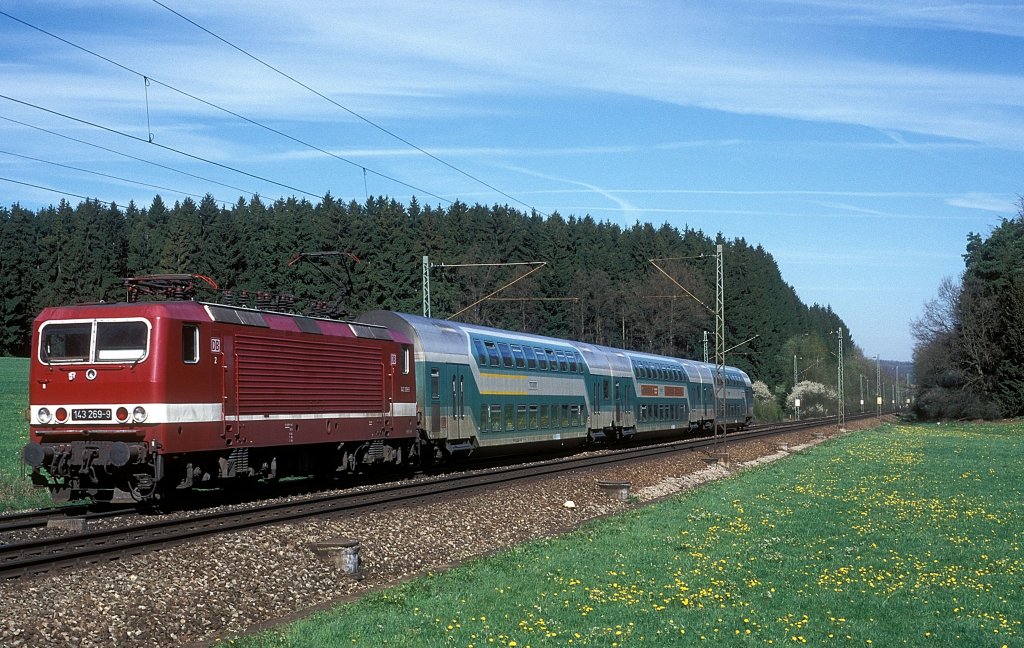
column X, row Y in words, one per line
column 941, row 403
column 816, row 399
column 766, row 406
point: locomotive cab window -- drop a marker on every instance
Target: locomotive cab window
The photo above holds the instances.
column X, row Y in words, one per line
column 65, row 342
column 190, row 343
column 94, row 341
column 121, row 341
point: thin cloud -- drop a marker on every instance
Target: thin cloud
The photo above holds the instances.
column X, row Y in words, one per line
column 985, row 202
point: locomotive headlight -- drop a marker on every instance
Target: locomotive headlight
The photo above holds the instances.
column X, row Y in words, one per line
column 139, row 414
column 43, row 416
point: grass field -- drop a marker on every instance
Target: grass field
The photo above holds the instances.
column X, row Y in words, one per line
column 15, row 492
column 900, row 536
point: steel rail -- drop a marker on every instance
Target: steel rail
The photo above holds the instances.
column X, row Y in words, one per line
column 40, row 556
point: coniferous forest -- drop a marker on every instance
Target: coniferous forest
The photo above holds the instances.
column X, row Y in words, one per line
column 597, row 285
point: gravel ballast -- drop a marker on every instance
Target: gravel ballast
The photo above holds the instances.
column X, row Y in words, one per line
column 226, row 585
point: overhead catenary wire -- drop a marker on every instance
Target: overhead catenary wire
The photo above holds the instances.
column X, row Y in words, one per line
column 163, row 146
column 56, row 191
column 126, row 155
column 99, row 173
column 348, row 110
column 149, row 79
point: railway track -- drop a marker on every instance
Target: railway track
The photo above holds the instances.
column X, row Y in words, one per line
column 32, row 557
column 25, row 520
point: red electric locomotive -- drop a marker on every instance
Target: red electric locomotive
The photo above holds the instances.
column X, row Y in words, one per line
column 138, row 400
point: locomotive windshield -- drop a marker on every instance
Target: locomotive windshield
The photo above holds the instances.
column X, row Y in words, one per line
column 94, row 341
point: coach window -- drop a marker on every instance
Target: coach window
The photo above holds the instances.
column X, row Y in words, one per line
column 435, row 384
column 190, row 343
column 572, row 361
column 485, row 424
column 563, row 364
column 517, row 353
column 510, row 418
column 542, row 359
column 481, row 352
column 495, row 418
column 531, row 358
column 552, row 360
column 506, row 354
column 534, row 422
column 492, row 354
column 521, row 417
column 544, row 420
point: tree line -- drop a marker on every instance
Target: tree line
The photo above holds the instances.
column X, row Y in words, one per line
column 598, row 284
column 969, row 351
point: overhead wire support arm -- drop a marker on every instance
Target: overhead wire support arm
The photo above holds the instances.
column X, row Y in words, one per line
column 736, row 346
column 542, row 299
column 539, row 264
column 678, row 285
column 428, row 266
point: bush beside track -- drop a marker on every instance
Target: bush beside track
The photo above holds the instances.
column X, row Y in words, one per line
column 897, row 536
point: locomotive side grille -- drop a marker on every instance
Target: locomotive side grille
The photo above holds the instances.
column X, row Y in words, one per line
column 281, row 376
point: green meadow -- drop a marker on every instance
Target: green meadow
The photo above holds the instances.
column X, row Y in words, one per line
column 15, row 492
column 899, row 536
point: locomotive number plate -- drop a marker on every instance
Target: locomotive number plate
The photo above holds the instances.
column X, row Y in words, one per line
column 90, row 414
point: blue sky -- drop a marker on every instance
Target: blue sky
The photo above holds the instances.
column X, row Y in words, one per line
column 859, row 142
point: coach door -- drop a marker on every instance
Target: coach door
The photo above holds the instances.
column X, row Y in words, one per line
column 457, row 423
column 447, row 394
column 618, row 393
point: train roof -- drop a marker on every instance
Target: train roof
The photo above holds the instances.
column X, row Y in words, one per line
column 211, row 312
column 451, row 339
